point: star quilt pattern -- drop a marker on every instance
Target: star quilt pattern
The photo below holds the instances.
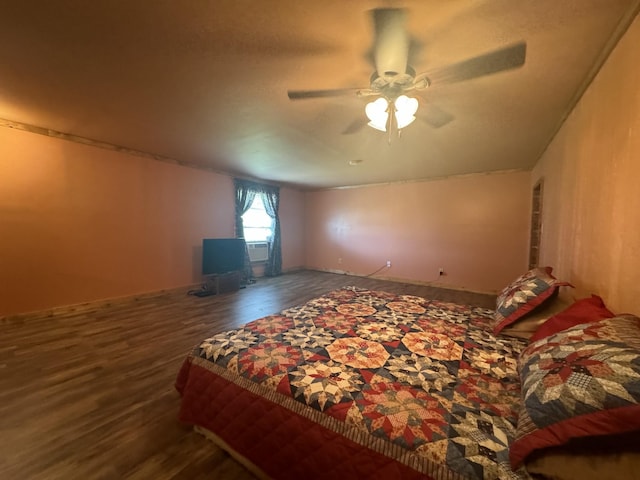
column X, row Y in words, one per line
column 579, row 382
column 523, row 295
column 424, row 383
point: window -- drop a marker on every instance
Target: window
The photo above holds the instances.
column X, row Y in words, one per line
column 253, row 201
column 258, row 225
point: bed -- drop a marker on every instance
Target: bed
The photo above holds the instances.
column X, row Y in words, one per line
column 368, row 384
column 359, row 384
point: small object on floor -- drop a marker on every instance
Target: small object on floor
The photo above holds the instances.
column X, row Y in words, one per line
column 203, row 293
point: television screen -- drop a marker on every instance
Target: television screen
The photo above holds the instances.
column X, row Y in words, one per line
column 222, row 255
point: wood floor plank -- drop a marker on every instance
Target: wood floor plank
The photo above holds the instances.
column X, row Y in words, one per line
column 88, row 392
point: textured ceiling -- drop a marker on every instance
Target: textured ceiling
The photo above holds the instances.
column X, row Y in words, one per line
column 206, row 82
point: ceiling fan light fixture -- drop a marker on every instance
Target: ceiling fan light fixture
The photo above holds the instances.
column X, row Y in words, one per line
column 378, row 114
column 406, row 109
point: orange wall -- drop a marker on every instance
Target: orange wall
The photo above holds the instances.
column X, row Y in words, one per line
column 591, row 170
column 79, row 223
column 475, row 227
column 292, row 228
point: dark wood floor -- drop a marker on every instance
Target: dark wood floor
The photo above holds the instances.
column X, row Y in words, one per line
column 89, row 393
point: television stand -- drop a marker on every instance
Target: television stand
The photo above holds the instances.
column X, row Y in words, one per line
column 223, row 283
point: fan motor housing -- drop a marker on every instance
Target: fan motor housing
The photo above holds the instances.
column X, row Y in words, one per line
column 392, row 84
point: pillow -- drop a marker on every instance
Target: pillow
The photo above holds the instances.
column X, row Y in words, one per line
column 527, row 325
column 580, row 382
column 523, row 295
column 585, row 310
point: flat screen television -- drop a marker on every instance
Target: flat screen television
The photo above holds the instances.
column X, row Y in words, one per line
column 222, row 255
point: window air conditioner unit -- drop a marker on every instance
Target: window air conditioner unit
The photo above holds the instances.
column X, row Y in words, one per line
column 258, row 251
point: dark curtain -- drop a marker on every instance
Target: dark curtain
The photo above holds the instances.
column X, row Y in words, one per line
column 246, row 191
column 271, row 198
column 245, row 195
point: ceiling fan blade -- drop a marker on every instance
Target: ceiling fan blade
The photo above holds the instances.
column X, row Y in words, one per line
column 434, row 116
column 493, row 62
column 391, row 40
column 336, row 92
column 355, row 126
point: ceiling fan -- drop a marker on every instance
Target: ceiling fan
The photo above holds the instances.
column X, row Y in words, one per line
column 394, row 80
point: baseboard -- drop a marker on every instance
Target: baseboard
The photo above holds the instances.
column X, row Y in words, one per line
column 96, row 304
column 107, row 302
column 434, row 284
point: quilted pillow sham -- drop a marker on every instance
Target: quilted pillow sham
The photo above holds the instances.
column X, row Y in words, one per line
column 585, row 310
column 523, row 295
column 580, row 382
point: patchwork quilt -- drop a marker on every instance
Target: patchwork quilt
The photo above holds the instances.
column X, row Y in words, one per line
column 580, row 382
column 360, row 384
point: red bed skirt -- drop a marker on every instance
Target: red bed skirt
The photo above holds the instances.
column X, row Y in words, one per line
column 278, row 441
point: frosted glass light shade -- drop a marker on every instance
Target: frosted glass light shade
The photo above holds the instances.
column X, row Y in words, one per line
column 405, row 110
column 378, row 114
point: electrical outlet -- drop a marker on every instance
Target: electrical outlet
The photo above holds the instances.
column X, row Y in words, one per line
column 339, row 260
column 441, row 271
column 388, row 263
